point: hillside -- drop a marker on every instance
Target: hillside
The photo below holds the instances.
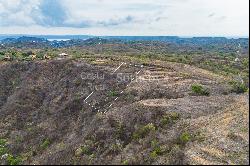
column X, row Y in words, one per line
column 119, row 110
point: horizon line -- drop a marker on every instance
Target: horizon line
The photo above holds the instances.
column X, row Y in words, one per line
column 181, row 36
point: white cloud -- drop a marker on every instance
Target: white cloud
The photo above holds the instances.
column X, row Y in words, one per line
column 17, row 12
column 126, row 17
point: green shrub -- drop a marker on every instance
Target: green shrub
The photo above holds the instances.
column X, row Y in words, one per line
column 2, row 55
column 200, row 90
column 3, row 142
column 169, row 119
column 3, row 149
column 238, row 87
column 77, row 82
column 116, row 147
column 19, row 139
column 153, row 154
column 112, row 93
column 26, row 54
column 120, row 130
column 143, row 131
column 45, row 143
column 185, row 137
column 156, row 149
column 86, row 150
column 199, row 136
column 125, row 162
column 11, row 160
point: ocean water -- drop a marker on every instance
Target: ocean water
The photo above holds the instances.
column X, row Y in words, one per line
column 58, row 39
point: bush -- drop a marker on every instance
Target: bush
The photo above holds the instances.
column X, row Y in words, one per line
column 3, row 149
column 11, row 160
column 156, row 149
column 185, row 137
column 153, row 154
column 3, row 142
column 45, row 143
column 125, row 162
column 120, row 131
column 86, row 150
column 116, row 147
column 200, row 90
column 113, row 93
column 142, row 132
column 2, row 55
column 169, row 119
column 238, row 87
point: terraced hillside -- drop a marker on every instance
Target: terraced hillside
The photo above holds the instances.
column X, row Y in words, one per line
column 118, row 111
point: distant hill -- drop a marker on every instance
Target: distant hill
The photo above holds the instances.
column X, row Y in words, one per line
column 195, row 44
column 48, row 37
column 124, row 38
column 24, row 39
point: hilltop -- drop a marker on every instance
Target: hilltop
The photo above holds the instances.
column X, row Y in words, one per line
column 153, row 116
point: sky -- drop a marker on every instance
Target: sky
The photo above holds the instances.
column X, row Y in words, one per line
column 125, row 17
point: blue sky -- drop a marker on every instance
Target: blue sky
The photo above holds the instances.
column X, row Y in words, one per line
column 126, row 17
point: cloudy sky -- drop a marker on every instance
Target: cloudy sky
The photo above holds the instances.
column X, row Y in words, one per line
column 125, row 17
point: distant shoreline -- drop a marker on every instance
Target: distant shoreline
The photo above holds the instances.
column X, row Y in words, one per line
column 69, row 37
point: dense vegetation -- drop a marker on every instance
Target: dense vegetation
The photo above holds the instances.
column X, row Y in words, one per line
column 228, row 57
